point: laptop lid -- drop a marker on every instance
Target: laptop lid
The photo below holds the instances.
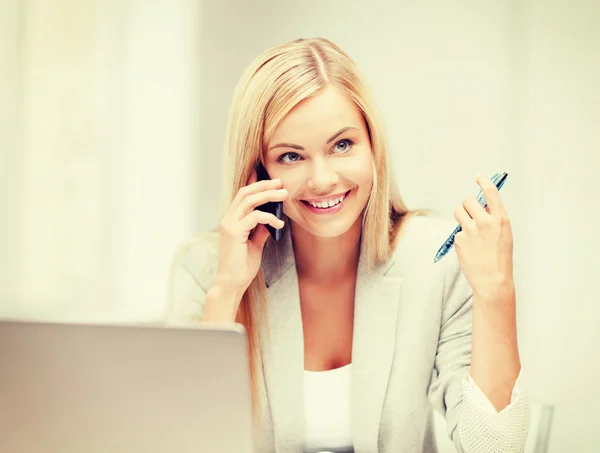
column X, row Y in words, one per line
column 83, row 388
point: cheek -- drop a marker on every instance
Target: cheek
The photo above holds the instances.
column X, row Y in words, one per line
column 362, row 171
column 292, row 181
column 367, row 173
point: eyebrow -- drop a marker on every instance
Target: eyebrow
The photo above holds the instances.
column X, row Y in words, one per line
column 300, row 148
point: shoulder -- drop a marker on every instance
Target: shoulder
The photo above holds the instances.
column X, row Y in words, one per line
column 425, row 229
column 197, row 258
column 418, row 241
column 413, row 261
column 193, row 271
column 416, row 250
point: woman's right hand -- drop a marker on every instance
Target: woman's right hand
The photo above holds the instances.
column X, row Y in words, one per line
column 243, row 233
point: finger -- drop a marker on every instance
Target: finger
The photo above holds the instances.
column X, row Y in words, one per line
column 251, row 202
column 492, row 196
column 474, row 209
column 464, row 219
column 248, row 223
column 251, row 189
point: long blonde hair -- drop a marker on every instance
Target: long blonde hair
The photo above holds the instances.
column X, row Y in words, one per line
column 273, row 84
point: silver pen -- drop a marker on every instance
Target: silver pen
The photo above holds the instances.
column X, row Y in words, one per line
column 498, row 179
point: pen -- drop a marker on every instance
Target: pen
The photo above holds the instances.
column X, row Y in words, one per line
column 498, row 179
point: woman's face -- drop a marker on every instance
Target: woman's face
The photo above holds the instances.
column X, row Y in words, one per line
column 322, row 153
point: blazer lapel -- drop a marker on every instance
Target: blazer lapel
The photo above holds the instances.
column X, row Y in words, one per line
column 377, row 297
column 283, row 349
column 375, row 320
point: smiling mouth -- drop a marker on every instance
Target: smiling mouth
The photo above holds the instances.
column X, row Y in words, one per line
column 327, row 203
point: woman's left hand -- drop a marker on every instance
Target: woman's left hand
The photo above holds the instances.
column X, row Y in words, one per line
column 485, row 245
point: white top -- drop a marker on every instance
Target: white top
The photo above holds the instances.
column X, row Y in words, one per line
column 327, row 410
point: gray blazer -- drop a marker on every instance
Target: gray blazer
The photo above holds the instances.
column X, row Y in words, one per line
column 411, row 344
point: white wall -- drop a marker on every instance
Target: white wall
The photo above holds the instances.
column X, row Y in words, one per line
column 106, row 170
column 561, row 313
column 9, row 142
column 161, row 195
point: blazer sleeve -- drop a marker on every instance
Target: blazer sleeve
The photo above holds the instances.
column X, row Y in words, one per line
column 189, row 281
column 473, row 423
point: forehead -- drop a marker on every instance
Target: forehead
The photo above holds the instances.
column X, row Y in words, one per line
column 320, row 115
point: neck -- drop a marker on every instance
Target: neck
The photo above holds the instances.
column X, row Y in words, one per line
column 327, row 260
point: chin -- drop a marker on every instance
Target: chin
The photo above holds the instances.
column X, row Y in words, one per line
column 329, row 230
column 329, row 233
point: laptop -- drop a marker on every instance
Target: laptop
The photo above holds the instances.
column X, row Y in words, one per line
column 84, row 388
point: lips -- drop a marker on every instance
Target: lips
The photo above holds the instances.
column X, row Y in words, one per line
column 326, row 205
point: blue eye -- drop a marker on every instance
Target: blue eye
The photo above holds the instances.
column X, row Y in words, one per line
column 347, row 144
column 292, row 157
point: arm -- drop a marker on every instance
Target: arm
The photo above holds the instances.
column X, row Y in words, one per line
column 473, row 424
column 187, row 295
column 495, row 363
column 194, row 293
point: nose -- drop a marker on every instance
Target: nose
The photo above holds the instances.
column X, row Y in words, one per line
column 322, row 177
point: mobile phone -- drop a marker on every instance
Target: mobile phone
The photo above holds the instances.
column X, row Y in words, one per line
column 272, row 207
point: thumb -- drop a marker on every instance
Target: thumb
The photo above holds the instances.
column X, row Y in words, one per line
column 260, row 236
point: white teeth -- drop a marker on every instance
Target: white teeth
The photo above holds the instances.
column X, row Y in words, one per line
column 328, row 203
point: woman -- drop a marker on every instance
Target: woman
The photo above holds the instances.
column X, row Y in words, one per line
column 354, row 333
